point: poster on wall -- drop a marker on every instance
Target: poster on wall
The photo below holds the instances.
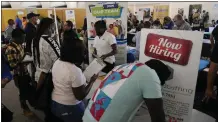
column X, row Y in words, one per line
column 20, row 13
column 161, row 11
column 31, row 10
column 181, row 51
column 181, row 11
column 115, row 16
column 214, row 12
column 194, row 11
column 70, row 15
column 50, row 13
column 144, row 13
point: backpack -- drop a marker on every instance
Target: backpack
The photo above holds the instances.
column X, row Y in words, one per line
column 5, row 56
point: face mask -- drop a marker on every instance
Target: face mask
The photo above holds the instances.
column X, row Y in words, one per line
column 37, row 21
column 100, row 32
column 13, row 26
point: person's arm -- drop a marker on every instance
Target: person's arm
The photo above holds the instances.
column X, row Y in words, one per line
column 41, row 80
column 82, row 91
column 79, row 87
column 211, row 78
column 212, row 73
column 95, row 51
column 111, row 41
column 155, row 108
column 113, row 52
column 151, row 93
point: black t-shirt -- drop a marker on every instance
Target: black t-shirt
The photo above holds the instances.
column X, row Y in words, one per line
column 214, row 56
column 30, row 31
column 215, row 34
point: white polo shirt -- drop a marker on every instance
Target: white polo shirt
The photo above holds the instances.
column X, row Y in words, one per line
column 103, row 46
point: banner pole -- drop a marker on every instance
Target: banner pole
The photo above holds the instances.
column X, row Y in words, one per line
column 56, row 25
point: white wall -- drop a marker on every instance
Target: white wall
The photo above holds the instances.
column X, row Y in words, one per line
column 15, row 5
column 71, row 4
column 29, row 4
column 45, row 4
column 81, row 4
column 54, row 4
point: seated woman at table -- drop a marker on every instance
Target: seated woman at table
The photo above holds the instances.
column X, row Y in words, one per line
column 168, row 23
column 156, row 24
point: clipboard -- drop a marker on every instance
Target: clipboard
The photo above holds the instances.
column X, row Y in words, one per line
column 94, row 68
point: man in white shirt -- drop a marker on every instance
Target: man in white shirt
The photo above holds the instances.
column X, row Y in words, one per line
column 105, row 45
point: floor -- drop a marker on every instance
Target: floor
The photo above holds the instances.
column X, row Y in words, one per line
column 10, row 100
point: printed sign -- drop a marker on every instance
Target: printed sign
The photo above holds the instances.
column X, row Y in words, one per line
column 181, row 51
column 70, row 15
column 161, row 11
column 144, row 13
column 115, row 16
column 169, row 49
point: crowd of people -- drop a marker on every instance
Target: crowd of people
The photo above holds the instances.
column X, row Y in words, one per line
column 177, row 23
column 116, row 28
column 58, row 86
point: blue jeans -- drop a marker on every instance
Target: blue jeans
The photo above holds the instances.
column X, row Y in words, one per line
column 68, row 113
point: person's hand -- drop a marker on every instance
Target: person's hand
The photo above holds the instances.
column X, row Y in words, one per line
column 208, row 94
column 94, row 78
column 103, row 57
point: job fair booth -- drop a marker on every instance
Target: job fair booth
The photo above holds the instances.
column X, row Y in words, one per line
column 186, row 52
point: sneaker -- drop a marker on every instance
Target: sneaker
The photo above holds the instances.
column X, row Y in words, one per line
column 27, row 113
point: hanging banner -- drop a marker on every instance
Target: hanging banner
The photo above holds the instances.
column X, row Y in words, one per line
column 161, row 11
column 70, row 15
column 180, row 50
column 115, row 16
column 144, row 13
column 31, row 10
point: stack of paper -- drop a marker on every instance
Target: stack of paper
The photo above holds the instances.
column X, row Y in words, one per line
column 94, row 68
